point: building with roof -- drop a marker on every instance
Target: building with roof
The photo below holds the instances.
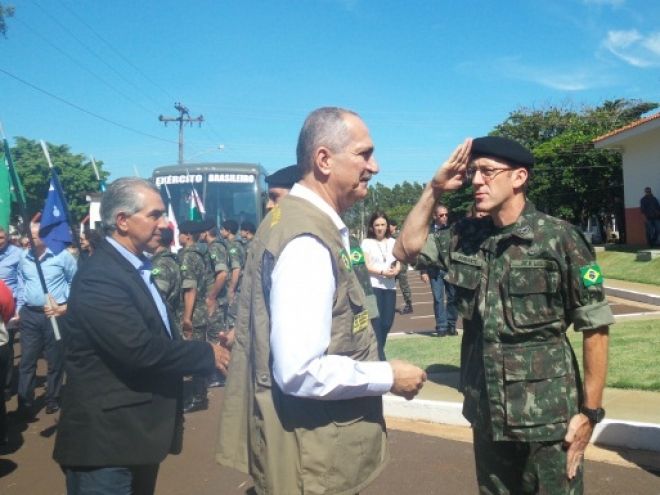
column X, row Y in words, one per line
column 639, row 145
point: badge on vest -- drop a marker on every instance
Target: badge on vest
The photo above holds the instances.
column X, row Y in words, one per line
column 360, row 322
column 357, row 256
column 275, row 216
column 345, row 260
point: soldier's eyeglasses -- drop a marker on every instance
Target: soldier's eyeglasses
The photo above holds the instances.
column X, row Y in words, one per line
column 488, row 173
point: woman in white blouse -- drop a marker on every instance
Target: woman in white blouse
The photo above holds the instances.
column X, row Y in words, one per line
column 383, row 268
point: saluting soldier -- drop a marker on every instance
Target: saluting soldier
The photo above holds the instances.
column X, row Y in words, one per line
column 193, row 311
column 167, row 275
column 521, row 278
column 236, row 258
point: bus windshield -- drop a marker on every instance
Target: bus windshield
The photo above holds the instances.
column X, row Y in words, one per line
column 218, row 197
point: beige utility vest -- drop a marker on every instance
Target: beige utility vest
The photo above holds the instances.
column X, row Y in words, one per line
column 292, row 445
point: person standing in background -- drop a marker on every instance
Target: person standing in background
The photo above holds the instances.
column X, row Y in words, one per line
column 651, row 211
column 36, row 330
column 444, row 306
column 7, row 310
column 383, row 268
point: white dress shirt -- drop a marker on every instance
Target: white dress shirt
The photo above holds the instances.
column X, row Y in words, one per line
column 380, row 257
column 301, row 299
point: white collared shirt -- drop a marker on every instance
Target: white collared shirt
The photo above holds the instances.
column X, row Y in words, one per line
column 301, row 320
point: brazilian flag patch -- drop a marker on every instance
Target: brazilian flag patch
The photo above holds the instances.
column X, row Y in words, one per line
column 357, row 256
column 591, row 275
column 345, row 260
column 155, row 271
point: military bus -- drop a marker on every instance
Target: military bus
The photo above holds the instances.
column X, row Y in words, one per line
column 219, row 191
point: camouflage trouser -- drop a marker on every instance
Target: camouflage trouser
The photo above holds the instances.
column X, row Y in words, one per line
column 402, row 277
column 217, row 323
column 199, row 381
column 232, row 311
column 522, row 467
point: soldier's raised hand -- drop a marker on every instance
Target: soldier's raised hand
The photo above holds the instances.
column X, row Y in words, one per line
column 451, row 174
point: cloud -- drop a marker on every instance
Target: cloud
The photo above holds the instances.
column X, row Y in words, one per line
column 559, row 78
column 634, row 48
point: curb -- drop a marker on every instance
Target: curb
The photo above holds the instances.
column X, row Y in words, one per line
column 632, row 295
column 611, row 432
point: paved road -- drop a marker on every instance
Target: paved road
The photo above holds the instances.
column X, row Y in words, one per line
column 420, row 464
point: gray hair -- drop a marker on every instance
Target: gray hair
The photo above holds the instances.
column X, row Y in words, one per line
column 323, row 127
column 123, row 196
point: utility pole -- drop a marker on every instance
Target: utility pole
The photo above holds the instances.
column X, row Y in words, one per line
column 184, row 116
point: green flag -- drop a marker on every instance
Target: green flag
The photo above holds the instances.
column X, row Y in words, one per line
column 5, row 199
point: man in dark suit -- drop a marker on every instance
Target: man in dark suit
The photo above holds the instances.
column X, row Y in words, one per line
column 121, row 408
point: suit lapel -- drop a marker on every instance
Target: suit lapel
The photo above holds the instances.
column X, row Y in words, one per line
column 137, row 280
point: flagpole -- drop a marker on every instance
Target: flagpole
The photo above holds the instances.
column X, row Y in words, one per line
column 22, row 204
column 98, row 176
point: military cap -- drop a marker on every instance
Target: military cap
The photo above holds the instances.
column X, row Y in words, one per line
column 503, row 148
column 191, row 227
column 208, row 224
column 284, row 177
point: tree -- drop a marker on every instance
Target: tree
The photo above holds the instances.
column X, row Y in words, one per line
column 6, row 11
column 75, row 171
column 571, row 179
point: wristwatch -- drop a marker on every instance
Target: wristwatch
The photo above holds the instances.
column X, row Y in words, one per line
column 594, row 415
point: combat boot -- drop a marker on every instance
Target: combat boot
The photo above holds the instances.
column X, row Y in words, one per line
column 407, row 309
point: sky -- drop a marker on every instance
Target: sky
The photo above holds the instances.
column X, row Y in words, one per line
column 96, row 75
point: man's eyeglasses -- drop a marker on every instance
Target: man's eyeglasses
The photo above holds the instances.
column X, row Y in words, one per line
column 488, row 173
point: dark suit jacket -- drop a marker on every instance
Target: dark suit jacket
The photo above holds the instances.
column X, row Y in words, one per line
column 122, row 401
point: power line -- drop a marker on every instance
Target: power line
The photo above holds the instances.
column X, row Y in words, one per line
column 118, row 53
column 82, row 66
column 81, row 109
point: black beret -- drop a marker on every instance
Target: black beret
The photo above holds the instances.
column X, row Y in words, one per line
column 208, row 224
column 284, row 177
column 191, row 227
column 503, row 148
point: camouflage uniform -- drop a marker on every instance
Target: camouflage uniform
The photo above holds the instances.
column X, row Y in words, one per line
column 194, row 275
column 167, row 278
column 236, row 258
column 518, row 288
column 217, row 322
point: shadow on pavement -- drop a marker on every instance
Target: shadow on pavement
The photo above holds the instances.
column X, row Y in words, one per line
column 7, row 467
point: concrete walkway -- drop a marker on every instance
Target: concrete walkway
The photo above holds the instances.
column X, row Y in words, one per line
column 633, row 416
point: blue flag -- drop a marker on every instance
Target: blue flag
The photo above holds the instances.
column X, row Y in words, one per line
column 54, row 229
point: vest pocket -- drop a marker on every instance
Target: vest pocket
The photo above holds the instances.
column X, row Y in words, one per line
column 536, row 385
column 466, row 279
column 534, row 295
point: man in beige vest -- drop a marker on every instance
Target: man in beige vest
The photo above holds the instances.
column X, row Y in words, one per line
column 303, row 403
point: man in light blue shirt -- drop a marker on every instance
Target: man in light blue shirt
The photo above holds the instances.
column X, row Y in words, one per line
column 36, row 330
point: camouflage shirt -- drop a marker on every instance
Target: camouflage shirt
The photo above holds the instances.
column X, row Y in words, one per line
column 194, row 275
column 518, row 288
column 167, row 277
column 219, row 261
column 236, row 258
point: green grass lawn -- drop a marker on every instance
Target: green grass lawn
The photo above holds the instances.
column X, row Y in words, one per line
column 634, row 353
column 622, row 266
